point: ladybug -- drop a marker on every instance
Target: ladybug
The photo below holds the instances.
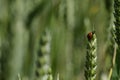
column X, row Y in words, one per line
column 90, row 35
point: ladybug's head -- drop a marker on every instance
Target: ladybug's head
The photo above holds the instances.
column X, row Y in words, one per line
column 90, row 35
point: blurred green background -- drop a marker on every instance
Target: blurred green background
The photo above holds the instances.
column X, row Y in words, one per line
column 22, row 23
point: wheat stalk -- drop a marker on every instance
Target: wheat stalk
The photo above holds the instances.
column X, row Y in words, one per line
column 117, row 21
column 43, row 69
column 116, row 34
column 91, row 57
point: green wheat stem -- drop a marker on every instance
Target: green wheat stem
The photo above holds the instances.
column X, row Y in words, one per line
column 19, row 77
column 111, row 50
column 57, row 76
column 91, row 59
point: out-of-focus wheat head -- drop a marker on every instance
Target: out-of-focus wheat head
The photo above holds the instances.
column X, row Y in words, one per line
column 117, row 21
column 43, row 69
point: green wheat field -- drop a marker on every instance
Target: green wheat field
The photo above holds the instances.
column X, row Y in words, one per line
column 59, row 39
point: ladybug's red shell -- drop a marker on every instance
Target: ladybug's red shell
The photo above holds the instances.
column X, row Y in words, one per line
column 90, row 35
